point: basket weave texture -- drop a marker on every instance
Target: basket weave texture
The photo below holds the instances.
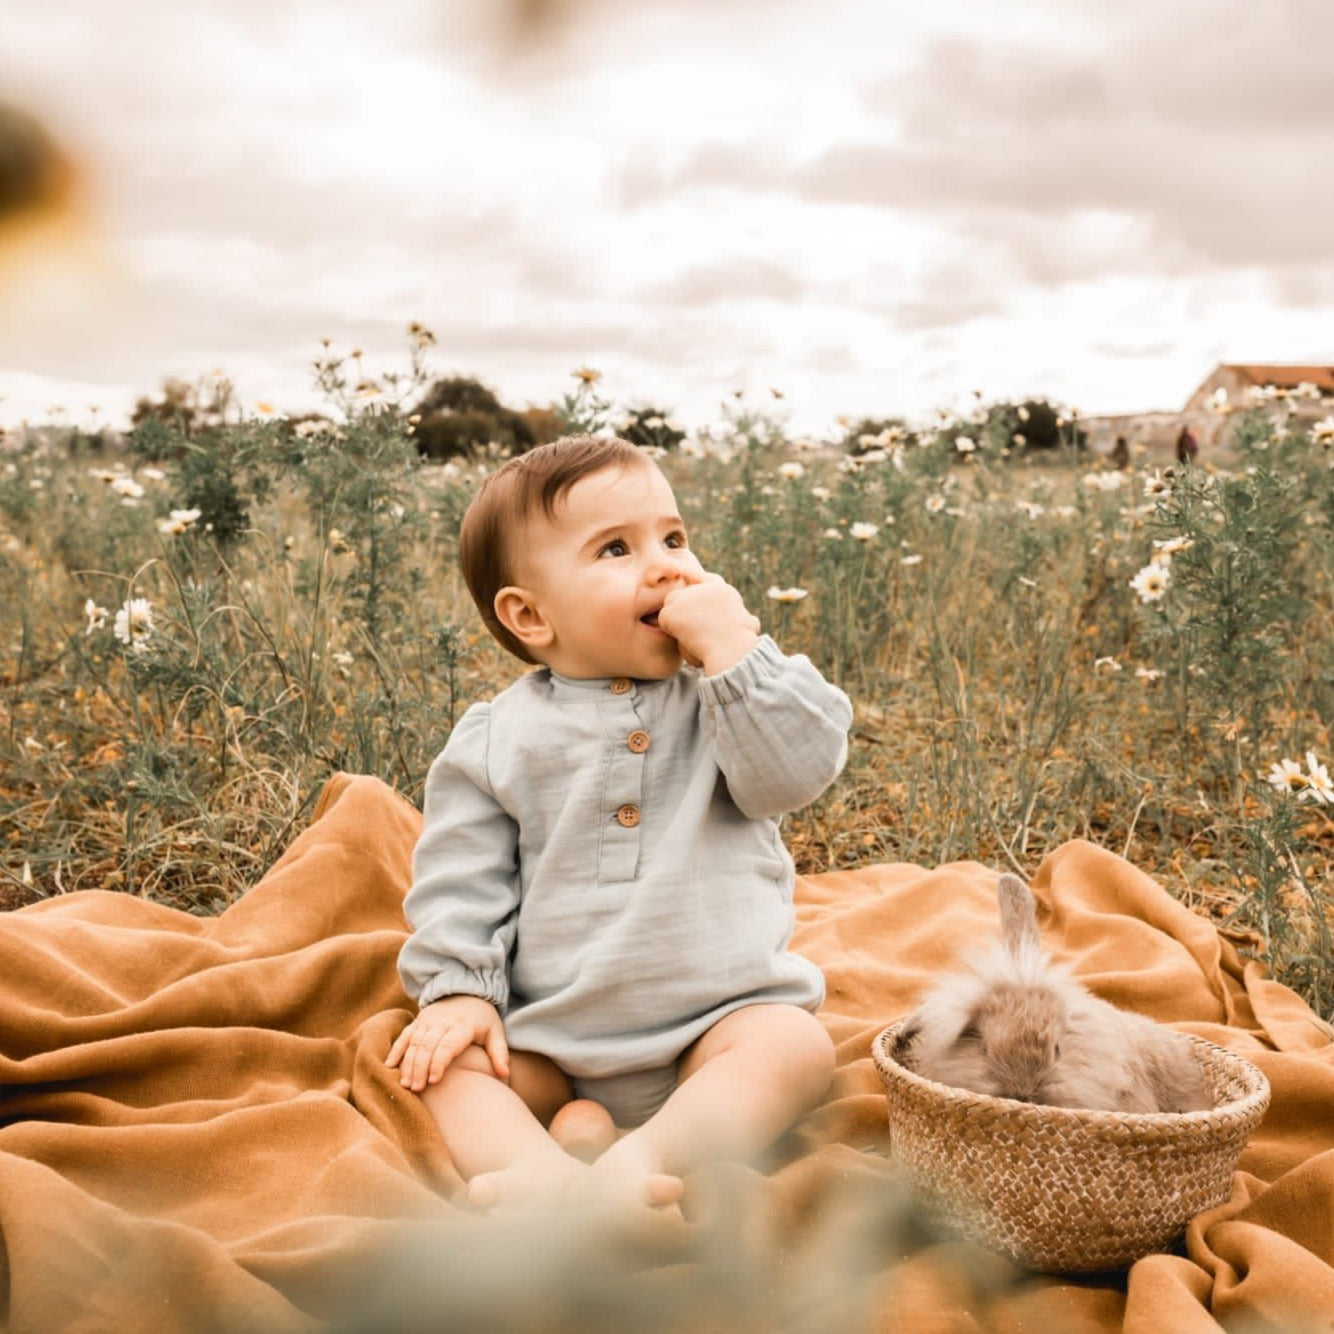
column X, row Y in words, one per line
column 1063, row 1189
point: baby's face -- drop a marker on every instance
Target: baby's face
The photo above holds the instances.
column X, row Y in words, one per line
column 600, row 570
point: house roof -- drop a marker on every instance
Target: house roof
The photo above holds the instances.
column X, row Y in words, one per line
column 1285, row 377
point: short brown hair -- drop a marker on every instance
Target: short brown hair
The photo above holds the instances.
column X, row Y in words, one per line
column 537, row 479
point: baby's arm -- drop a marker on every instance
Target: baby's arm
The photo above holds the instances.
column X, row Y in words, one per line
column 465, row 879
column 779, row 728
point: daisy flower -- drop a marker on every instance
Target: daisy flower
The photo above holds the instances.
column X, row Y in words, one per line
column 777, row 594
column 97, row 616
column 934, row 504
column 1318, row 785
column 1173, row 546
column 864, row 532
column 178, row 522
column 1286, row 776
column 133, row 625
column 1151, row 582
column 791, row 470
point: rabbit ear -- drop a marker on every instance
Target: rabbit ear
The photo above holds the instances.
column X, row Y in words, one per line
column 1019, row 921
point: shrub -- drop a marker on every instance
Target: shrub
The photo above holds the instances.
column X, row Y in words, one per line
column 460, row 415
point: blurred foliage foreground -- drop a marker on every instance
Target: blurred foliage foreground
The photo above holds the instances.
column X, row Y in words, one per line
column 198, row 629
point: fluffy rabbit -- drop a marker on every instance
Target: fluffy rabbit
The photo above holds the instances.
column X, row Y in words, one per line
column 1018, row 1026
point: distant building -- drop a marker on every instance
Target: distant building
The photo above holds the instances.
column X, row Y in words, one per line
column 1307, row 390
column 1238, row 381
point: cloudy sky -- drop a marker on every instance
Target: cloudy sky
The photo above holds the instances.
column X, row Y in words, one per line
column 874, row 206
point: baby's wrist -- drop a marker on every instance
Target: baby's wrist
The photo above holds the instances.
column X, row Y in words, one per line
column 727, row 649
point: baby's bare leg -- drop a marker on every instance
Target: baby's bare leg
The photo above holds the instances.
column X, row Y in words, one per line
column 497, row 1135
column 491, row 1126
column 741, row 1086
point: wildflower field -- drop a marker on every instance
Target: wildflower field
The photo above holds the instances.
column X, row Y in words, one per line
column 197, row 630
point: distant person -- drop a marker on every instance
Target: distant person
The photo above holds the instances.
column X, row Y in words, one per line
column 1187, row 446
column 1121, row 452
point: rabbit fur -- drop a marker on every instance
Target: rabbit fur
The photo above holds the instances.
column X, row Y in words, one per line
column 1016, row 1025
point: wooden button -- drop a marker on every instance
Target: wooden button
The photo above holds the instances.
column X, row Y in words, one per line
column 628, row 815
column 620, row 685
column 637, row 741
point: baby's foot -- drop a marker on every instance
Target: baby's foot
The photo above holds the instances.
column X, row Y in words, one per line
column 564, row 1179
column 527, row 1181
column 584, row 1129
column 621, row 1179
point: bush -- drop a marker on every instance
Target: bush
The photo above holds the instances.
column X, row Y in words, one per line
column 650, row 427
column 1035, row 424
column 460, row 416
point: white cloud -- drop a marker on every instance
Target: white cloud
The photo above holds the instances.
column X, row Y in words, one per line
column 875, row 207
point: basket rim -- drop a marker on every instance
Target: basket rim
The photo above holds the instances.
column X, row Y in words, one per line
column 1251, row 1104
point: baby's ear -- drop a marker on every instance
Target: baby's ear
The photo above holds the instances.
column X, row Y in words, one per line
column 517, row 610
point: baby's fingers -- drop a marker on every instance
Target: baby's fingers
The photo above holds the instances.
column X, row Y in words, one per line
column 498, row 1050
column 400, row 1046
column 451, row 1043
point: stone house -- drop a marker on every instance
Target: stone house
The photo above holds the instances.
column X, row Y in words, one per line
column 1237, row 381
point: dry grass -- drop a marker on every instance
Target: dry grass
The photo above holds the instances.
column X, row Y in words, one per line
column 991, row 722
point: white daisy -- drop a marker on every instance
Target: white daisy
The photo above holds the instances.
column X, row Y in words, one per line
column 1151, row 582
column 791, row 470
column 1318, row 785
column 1173, row 546
column 133, row 625
column 1286, row 776
column 97, row 616
column 777, row 594
column 864, row 532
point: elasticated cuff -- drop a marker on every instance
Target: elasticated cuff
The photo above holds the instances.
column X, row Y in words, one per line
column 761, row 664
column 457, row 980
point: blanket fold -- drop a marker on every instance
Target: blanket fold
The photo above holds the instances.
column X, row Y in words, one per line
column 198, row 1131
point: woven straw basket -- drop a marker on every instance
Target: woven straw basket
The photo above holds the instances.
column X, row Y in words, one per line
column 1067, row 1190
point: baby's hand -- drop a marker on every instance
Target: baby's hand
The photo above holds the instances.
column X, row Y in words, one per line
column 440, row 1032
column 710, row 622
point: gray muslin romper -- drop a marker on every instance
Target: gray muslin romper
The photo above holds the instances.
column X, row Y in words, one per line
column 601, row 860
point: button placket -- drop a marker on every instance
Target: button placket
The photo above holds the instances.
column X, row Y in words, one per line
column 620, row 843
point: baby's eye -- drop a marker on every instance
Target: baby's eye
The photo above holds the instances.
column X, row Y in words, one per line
column 676, row 540
column 614, row 548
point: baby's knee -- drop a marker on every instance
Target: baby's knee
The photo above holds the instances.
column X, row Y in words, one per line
column 474, row 1058
column 794, row 1042
column 809, row 1048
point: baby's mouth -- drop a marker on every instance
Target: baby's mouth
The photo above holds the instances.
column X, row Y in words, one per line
column 650, row 618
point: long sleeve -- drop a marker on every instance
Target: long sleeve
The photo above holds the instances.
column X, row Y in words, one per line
column 465, row 878
column 780, row 729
